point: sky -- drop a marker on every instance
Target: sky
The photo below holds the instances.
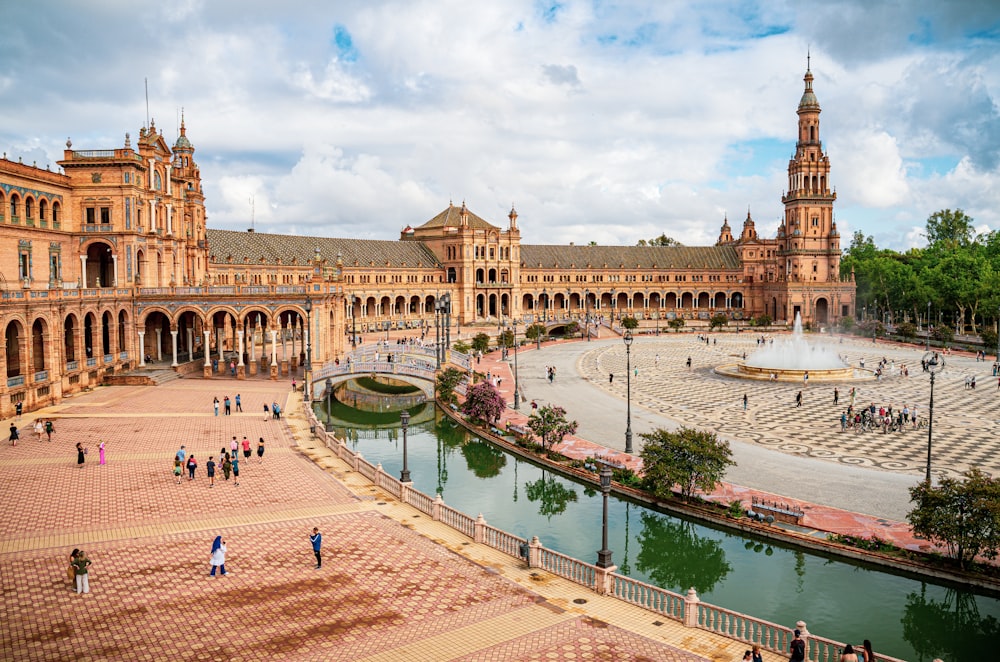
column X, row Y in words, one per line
column 598, row 121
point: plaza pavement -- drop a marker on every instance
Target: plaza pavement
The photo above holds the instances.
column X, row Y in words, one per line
column 852, row 483
column 394, row 586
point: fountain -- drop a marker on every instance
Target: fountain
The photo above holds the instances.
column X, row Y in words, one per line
column 792, row 359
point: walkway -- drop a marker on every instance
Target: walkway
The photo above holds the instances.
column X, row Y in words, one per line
column 394, row 585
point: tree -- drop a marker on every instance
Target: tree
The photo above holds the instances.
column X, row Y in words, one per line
column 689, row 458
column 719, row 319
column 944, row 334
column 761, row 320
column 550, row 425
column 949, row 229
column 847, row 323
column 534, row 331
column 962, row 515
column 572, row 328
column 630, row 323
column 662, row 240
column 907, row 330
column 447, row 380
column 989, row 338
column 676, row 324
column 483, row 403
column 506, row 338
column 481, row 342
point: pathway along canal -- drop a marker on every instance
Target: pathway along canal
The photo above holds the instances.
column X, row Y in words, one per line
column 908, row 618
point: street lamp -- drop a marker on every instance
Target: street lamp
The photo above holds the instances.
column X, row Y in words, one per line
column 446, row 311
column 404, row 421
column 998, row 334
column 935, row 364
column 628, row 390
column 329, row 394
column 517, row 390
column 586, row 307
column 354, row 325
column 927, row 342
column 604, row 554
column 306, row 389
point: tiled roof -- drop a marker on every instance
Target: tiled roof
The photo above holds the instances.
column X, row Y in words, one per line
column 452, row 217
column 258, row 247
column 629, row 257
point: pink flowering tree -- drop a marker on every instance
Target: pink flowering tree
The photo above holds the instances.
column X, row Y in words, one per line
column 483, row 403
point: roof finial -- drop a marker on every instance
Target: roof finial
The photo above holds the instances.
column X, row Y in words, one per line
column 808, row 57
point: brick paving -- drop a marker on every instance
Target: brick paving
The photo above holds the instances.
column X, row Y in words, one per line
column 394, row 585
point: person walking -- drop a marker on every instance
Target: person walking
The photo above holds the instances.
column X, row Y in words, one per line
column 317, row 542
column 215, row 405
column 71, row 569
column 260, row 450
column 611, row 379
column 836, row 396
column 233, row 446
column 80, row 453
column 81, row 564
column 192, row 464
column 227, row 466
column 49, row 429
column 39, row 428
column 19, row 409
column 210, row 471
column 182, row 454
column 239, row 404
column 100, row 450
column 744, row 402
column 236, row 470
column 218, row 560
column 14, row 436
column 178, row 468
column 246, row 446
column 798, row 399
column 228, row 405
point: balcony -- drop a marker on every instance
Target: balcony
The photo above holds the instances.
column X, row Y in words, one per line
column 41, row 376
column 15, row 381
column 72, row 366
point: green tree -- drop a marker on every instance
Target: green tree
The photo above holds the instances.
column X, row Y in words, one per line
column 847, row 323
column 944, row 334
column 718, row 320
column 483, row 403
column 989, row 338
column 662, row 240
column 550, row 425
column 761, row 320
column 689, row 458
column 906, row 330
column 630, row 323
column 675, row 556
column 961, row 515
column 447, row 380
column 676, row 324
column 534, row 331
column 481, row 342
column 506, row 339
column 949, row 229
column 461, row 347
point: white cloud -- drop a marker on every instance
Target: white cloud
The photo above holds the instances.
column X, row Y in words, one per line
column 869, row 169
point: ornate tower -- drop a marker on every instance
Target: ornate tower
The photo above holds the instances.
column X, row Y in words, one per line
column 810, row 243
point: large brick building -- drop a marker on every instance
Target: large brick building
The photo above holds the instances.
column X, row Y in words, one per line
column 109, row 264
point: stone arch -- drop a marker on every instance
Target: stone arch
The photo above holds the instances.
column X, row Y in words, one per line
column 16, row 348
column 822, row 310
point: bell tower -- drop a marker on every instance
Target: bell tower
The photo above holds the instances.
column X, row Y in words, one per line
column 810, row 244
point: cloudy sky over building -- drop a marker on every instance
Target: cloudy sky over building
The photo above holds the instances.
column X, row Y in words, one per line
column 600, row 121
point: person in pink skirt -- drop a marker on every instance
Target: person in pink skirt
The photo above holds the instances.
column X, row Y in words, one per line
column 100, row 448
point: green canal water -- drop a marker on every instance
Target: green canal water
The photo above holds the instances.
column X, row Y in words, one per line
column 905, row 617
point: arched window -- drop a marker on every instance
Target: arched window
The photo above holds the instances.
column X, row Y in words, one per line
column 13, row 206
column 29, row 208
column 43, row 209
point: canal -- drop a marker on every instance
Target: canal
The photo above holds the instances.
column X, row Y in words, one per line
column 904, row 617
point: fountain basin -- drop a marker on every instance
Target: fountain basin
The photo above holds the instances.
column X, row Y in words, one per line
column 744, row 371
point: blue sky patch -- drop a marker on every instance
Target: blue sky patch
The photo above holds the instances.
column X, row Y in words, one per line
column 549, row 11
column 344, row 44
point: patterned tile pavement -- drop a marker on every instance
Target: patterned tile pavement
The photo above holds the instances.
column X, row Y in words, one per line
column 394, row 585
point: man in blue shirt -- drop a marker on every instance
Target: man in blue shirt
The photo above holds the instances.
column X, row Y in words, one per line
column 317, row 541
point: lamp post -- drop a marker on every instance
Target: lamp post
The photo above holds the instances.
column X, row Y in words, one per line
column 935, row 364
column 628, row 390
column 329, row 394
column 517, row 390
column 998, row 334
column 437, row 332
column 306, row 390
column 354, row 325
column 927, row 341
column 447, row 321
column 604, row 554
column 404, row 421
column 586, row 306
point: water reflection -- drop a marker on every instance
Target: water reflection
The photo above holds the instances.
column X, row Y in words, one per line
column 674, row 555
column 552, row 495
column 950, row 628
column 484, row 459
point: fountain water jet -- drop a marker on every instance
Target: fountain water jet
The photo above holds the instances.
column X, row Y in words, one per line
column 789, row 359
